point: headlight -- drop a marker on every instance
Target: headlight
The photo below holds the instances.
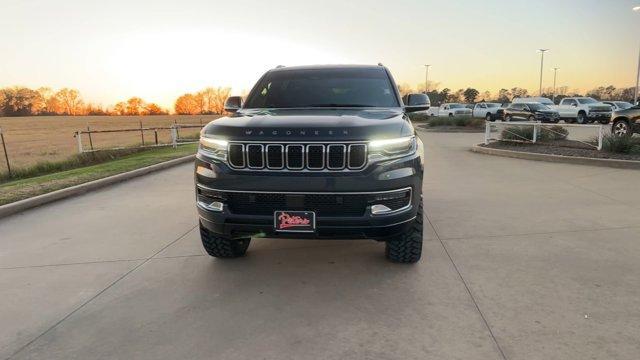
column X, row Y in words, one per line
column 213, row 148
column 392, row 148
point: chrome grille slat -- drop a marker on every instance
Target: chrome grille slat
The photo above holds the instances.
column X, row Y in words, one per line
column 312, row 156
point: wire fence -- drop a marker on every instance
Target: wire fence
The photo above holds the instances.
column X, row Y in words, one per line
column 26, row 141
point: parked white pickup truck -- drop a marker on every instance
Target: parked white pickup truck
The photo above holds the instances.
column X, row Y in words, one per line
column 485, row 110
column 584, row 110
column 453, row 109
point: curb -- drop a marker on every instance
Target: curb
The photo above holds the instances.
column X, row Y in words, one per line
column 578, row 160
column 21, row 205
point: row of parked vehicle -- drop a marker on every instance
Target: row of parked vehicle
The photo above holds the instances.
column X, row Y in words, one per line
column 581, row 110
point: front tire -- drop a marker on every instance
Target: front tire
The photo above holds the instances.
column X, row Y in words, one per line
column 621, row 128
column 406, row 248
column 582, row 118
column 489, row 117
column 223, row 247
column 531, row 118
column 507, row 118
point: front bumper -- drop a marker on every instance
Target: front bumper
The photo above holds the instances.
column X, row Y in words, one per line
column 599, row 115
column 548, row 117
column 215, row 177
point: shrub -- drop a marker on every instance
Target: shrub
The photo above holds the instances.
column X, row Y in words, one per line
column 523, row 133
column 418, row 116
column 455, row 121
column 621, row 144
column 556, row 132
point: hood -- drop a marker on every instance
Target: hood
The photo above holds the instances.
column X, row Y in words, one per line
column 311, row 125
column 600, row 106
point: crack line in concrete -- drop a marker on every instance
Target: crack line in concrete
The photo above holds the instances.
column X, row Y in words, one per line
column 69, row 264
column 98, row 294
column 541, row 233
column 466, row 286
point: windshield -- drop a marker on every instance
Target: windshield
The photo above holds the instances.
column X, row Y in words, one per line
column 538, row 107
column 303, row 88
column 587, row 101
column 493, row 105
column 546, row 102
column 624, row 105
column 456, row 106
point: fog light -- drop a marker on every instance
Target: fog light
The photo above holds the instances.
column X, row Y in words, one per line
column 214, row 206
column 378, row 209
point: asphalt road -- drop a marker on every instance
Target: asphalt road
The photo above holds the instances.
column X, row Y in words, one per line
column 522, row 260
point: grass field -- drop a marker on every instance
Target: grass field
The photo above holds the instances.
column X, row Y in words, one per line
column 24, row 188
column 36, row 139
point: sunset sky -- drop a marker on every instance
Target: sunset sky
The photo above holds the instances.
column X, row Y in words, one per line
column 112, row 50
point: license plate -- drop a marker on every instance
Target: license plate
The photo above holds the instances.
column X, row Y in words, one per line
column 294, row 221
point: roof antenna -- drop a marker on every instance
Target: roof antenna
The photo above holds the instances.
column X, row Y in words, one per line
column 279, row 66
column 380, row 64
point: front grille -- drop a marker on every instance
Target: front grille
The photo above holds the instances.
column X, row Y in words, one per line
column 314, row 157
column 323, row 204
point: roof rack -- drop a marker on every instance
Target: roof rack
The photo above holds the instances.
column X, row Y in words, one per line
column 380, row 64
column 279, row 66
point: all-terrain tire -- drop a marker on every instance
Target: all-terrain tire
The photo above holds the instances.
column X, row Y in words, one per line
column 407, row 247
column 223, row 247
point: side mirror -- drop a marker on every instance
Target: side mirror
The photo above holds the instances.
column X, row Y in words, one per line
column 417, row 102
column 233, row 104
column 574, row 105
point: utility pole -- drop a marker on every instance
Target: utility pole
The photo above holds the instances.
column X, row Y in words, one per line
column 635, row 96
column 555, row 75
column 426, row 78
column 542, row 51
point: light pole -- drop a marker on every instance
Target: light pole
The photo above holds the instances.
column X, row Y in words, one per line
column 555, row 75
column 542, row 51
column 426, row 78
column 635, row 96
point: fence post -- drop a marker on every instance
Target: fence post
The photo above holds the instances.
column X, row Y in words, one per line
column 141, row 133
column 177, row 128
column 600, row 134
column 174, row 137
column 6, row 156
column 535, row 133
column 79, row 139
column 487, row 132
column 90, row 141
column 155, row 134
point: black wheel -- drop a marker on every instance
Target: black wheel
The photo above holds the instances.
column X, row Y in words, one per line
column 554, row 120
column 489, row 117
column 603, row 121
column 507, row 117
column 621, row 128
column 450, row 115
column 582, row 118
column 407, row 247
column 222, row 247
column 531, row 118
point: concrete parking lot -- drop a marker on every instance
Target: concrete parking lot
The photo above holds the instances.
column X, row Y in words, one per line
column 522, row 260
